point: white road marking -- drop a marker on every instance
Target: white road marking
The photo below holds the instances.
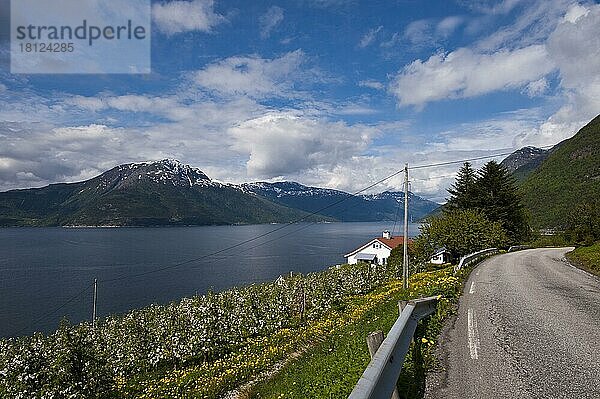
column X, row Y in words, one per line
column 477, row 273
column 580, row 270
column 474, row 345
column 472, row 290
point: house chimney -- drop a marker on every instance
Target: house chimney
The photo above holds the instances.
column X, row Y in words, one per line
column 387, row 234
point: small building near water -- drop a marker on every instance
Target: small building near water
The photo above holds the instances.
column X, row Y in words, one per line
column 376, row 251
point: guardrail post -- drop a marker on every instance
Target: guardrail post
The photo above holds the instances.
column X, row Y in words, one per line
column 374, row 341
column 401, row 306
column 380, row 378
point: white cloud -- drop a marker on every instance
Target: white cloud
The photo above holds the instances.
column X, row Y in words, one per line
column 394, row 40
column 284, row 143
column 215, row 120
column 182, row 16
column 355, row 109
column 89, row 103
column 253, row 76
column 330, row 3
column 270, row 20
column 372, row 84
column 531, row 26
column 575, row 12
column 494, row 7
column 424, row 33
column 505, row 131
column 448, row 25
column 369, row 37
column 575, row 48
column 418, row 32
column 566, row 38
column 77, row 133
column 536, row 88
column 47, row 143
column 465, row 73
column 37, row 154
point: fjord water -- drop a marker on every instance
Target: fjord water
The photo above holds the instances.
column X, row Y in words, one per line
column 42, row 268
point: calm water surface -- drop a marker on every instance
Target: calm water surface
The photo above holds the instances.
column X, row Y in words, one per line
column 41, row 268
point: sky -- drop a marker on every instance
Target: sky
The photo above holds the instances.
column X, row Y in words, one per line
column 331, row 93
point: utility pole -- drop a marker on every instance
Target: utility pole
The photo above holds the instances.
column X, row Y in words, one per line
column 405, row 263
column 95, row 300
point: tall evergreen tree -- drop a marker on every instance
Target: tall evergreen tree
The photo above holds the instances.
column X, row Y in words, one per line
column 462, row 193
column 497, row 197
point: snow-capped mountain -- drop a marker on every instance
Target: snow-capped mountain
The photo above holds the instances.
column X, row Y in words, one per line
column 168, row 192
column 164, row 192
column 167, row 171
column 525, row 156
column 341, row 205
column 286, row 188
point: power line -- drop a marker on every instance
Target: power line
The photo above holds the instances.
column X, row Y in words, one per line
column 317, row 212
column 346, row 198
column 68, row 301
column 432, row 165
column 433, row 177
column 396, row 217
column 287, row 225
column 349, row 196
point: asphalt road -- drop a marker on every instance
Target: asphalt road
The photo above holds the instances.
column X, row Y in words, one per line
column 528, row 326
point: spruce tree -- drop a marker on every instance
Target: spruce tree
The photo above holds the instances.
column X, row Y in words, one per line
column 497, row 197
column 462, row 193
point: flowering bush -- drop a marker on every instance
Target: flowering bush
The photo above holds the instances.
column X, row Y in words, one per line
column 78, row 361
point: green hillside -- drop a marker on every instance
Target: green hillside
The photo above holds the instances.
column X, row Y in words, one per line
column 146, row 194
column 568, row 177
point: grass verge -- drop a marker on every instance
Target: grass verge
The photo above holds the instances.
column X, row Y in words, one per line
column 587, row 258
column 331, row 368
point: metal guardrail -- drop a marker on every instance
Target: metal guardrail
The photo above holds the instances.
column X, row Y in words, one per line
column 518, row 248
column 381, row 375
column 468, row 259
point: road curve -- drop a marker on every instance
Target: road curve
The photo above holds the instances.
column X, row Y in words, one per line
column 528, row 326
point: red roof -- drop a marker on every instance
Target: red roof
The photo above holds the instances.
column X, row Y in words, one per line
column 394, row 241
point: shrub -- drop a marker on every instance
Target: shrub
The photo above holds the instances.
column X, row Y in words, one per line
column 461, row 232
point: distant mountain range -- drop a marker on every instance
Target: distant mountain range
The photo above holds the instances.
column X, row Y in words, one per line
column 359, row 208
column 168, row 192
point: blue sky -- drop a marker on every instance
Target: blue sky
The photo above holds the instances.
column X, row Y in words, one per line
column 334, row 93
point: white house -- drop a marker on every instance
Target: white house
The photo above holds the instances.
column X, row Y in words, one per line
column 377, row 250
column 440, row 257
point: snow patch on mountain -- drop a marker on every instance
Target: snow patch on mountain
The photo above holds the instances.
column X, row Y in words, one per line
column 166, row 172
column 281, row 189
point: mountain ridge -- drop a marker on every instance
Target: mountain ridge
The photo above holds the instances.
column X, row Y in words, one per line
column 521, row 163
column 168, row 192
column 357, row 208
column 159, row 193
